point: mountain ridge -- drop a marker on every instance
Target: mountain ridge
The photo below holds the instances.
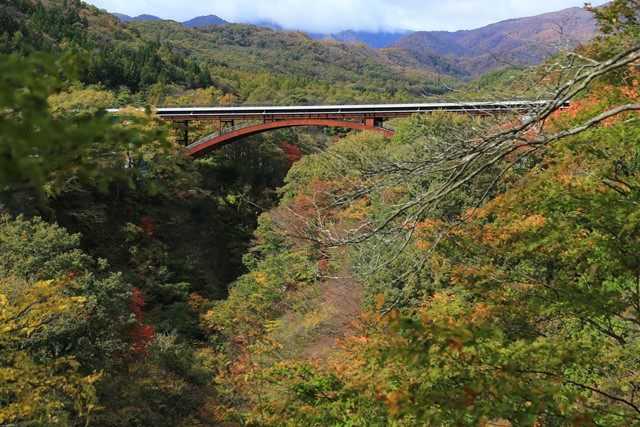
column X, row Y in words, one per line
column 198, row 21
column 139, row 18
column 375, row 39
column 464, row 54
column 518, row 41
column 203, row 21
column 492, row 40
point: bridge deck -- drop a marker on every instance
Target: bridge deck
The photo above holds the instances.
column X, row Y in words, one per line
column 380, row 111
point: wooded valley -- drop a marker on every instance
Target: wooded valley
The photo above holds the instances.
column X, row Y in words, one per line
column 471, row 270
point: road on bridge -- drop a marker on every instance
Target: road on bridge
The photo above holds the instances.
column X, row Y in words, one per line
column 377, row 111
column 371, row 117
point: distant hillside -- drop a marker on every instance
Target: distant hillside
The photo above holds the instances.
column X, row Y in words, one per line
column 139, row 18
column 247, row 52
column 373, row 39
column 255, row 64
column 263, row 23
column 203, row 21
column 198, row 21
column 515, row 42
column 423, row 60
column 112, row 53
column 470, row 53
column 160, row 58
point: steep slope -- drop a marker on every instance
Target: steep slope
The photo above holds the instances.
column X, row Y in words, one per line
column 424, row 60
column 109, row 51
column 236, row 48
column 519, row 42
column 160, row 59
column 461, row 54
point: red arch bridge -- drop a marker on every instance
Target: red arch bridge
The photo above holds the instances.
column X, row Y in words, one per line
column 238, row 122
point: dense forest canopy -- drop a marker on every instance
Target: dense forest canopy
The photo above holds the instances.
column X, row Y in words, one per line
column 468, row 271
column 165, row 63
column 109, row 53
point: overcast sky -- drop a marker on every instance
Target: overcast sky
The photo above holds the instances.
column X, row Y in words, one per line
column 336, row 15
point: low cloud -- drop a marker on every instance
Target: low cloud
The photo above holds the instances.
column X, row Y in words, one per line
column 336, row 15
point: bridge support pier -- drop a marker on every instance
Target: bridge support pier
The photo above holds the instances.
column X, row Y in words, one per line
column 373, row 121
column 185, row 132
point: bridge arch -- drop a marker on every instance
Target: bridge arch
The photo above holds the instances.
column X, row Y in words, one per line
column 205, row 145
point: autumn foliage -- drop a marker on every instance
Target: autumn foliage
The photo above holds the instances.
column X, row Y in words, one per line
column 292, row 152
column 141, row 334
column 425, row 279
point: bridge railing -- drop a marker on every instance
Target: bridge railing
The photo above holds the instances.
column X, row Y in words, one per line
column 428, row 100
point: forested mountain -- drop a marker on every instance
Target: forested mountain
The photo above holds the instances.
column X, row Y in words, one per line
column 470, row 270
column 516, row 42
column 107, row 52
column 142, row 17
column 298, row 65
column 203, row 21
column 198, row 21
column 462, row 54
column 235, row 60
column 468, row 53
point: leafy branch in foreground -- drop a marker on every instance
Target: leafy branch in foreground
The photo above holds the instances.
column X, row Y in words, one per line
column 459, row 159
column 32, row 391
column 40, row 145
